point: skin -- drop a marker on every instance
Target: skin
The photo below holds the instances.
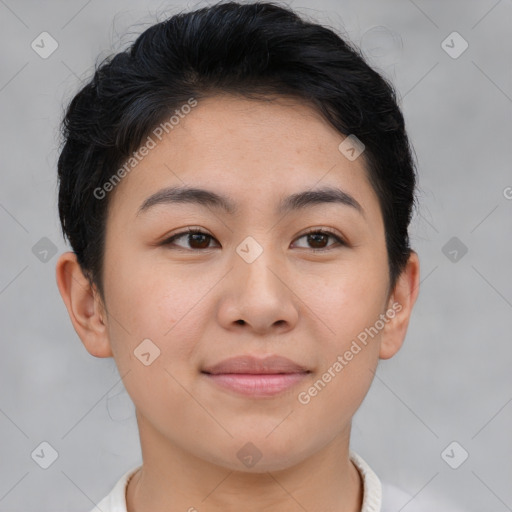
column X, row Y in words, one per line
column 308, row 306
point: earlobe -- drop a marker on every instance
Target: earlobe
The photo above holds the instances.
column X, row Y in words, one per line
column 84, row 306
column 401, row 302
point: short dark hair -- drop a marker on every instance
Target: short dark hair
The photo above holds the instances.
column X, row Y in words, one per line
column 254, row 50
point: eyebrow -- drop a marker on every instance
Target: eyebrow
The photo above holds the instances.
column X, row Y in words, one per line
column 208, row 198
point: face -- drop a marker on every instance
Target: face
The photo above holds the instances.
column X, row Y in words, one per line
column 305, row 282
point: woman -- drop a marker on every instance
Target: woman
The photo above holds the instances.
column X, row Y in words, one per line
column 237, row 188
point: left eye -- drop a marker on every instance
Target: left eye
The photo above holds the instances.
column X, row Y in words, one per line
column 202, row 240
column 318, row 237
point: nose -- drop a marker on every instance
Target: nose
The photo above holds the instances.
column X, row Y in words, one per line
column 258, row 296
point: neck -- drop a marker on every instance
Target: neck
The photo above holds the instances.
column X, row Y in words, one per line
column 175, row 480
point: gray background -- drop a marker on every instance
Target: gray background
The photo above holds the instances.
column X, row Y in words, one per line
column 450, row 382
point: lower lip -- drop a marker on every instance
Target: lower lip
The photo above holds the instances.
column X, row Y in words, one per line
column 257, row 385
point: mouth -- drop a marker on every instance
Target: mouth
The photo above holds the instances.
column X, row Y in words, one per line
column 256, row 377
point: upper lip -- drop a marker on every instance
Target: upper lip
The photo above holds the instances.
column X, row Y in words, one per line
column 256, row 365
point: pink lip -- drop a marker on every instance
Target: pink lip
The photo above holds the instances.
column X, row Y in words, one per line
column 256, row 376
column 257, row 384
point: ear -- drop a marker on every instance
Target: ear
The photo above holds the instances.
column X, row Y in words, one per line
column 400, row 306
column 85, row 308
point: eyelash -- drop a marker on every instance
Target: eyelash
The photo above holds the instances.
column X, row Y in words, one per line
column 192, row 231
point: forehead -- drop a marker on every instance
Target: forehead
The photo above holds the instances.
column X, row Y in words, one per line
column 255, row 151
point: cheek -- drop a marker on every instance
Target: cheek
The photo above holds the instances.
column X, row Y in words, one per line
column 149, row 302
column 348, row 351
column 346, row 299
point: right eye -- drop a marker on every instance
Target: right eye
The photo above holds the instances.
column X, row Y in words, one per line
column 197, row 239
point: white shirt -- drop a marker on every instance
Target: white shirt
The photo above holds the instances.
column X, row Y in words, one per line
column 376, row 497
